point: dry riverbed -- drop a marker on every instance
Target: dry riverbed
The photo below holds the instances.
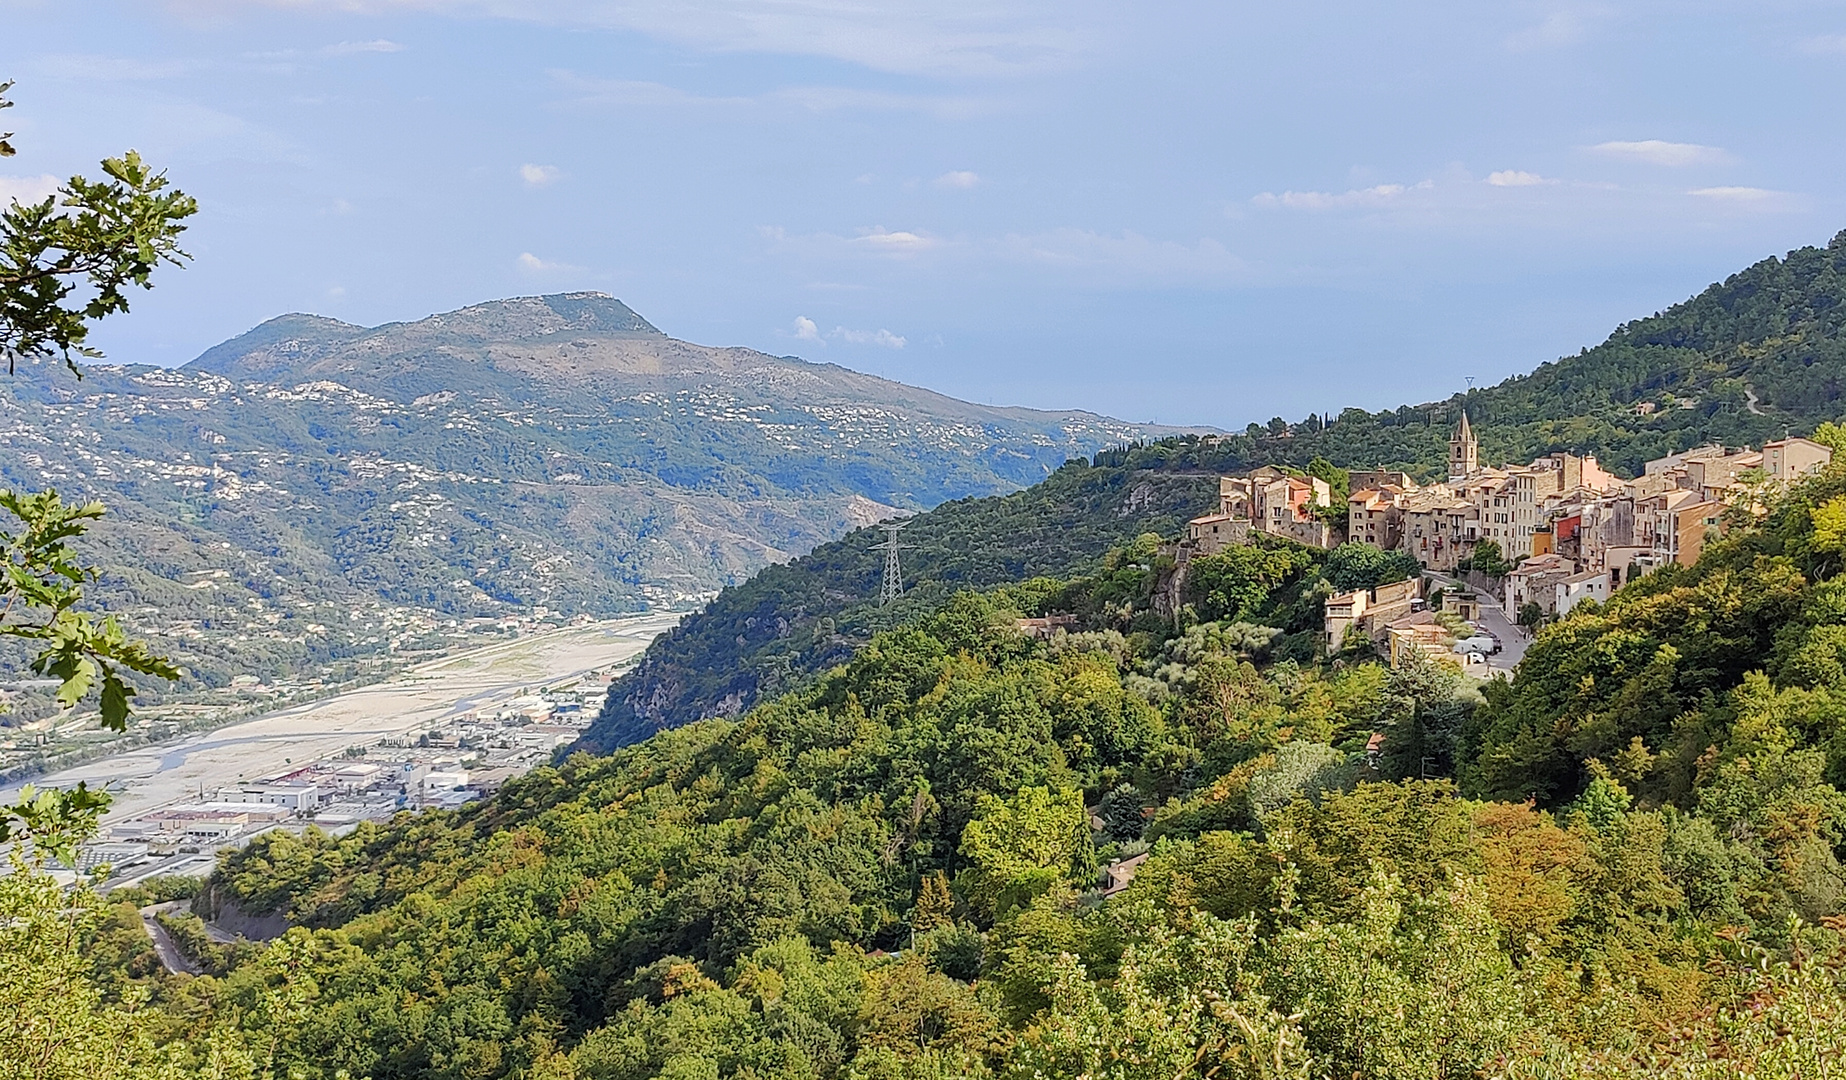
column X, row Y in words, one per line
column 149, row 777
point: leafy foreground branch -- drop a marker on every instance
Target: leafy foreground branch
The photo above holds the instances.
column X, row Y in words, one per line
column 40, row 598
column 68, row 260
column 64, row 263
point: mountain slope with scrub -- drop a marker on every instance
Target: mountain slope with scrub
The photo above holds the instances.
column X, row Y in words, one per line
column 313, row 490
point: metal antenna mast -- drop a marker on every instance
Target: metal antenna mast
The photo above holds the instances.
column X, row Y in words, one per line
column 893, row 586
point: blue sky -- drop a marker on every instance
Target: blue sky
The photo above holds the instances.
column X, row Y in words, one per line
column 1202, row 213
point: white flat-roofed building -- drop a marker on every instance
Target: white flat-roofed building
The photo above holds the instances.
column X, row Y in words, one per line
column 299, row 798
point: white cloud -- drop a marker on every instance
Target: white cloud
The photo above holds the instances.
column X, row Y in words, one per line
column 1737, row 194
column 882, row 338
column 806, row 329
column 1824, row 43
column 1103, row 258
column 532, row 264
column 1563, row 27
column 1516, row 178
column 960, row 178
column 940, row 37
column 1659, row 152
column 351, row 48
column 539, row 175
column 27, row 189
column 1379, row 195
column 896, row 242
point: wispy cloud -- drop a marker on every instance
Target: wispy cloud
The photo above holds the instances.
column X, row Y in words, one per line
column 27, row 189
column 884, row 339
column 901, row 243
column 1824, row 44
column 1379, row 195
column 1565, row 26
column 1106, row 258
column 1516, row 178
column 353, row 48
column 539, row 175
column 983, row 38
column 807, row 329
column 960, row 178
column 532, row 264
column 1751, row 197
column 1741, row 194
column 1660, row 152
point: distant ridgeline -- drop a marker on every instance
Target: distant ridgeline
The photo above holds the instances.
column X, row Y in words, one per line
column 788, row 623
column 313, row 490
column 1760, row 355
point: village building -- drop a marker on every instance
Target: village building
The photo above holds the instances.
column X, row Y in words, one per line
column 1376, row 516
column 1787, row 460
column 1368, row 611
column 1534, row 581
column 1419, row 633
column 1578, row 587
column 1267, row 501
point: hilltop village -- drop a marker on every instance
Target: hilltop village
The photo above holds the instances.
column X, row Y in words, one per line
column 1535, row 539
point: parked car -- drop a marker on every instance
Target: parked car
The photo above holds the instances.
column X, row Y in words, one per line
column 1480, row 643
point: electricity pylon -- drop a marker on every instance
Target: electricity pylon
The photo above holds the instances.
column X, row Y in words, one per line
column 893, row 586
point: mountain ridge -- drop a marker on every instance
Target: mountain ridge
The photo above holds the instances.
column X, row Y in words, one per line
column 386, row 485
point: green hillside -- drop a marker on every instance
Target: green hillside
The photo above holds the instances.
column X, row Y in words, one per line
column 791, row 622
column 892, row 872
column 836, row 841
column 1749, row 359
column 1776, row 331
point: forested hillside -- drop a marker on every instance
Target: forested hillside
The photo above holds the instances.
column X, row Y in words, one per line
column 1625, row 864
column 791, row 622
column 1749, row 359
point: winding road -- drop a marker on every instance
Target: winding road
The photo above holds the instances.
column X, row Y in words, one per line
column 171, row 957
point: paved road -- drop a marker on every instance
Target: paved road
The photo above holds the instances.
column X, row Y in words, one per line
column 169, row 952
column 1513, row 640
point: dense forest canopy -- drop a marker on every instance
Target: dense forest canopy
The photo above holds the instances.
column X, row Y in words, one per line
column 788, row 623
column 1625, row 863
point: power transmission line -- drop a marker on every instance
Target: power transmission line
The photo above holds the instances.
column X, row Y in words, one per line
column 893, row 586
